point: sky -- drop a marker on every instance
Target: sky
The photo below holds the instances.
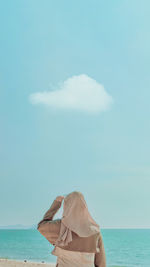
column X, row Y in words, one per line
column 74, row 109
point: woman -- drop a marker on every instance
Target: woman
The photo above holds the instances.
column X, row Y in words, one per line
column 76, row 237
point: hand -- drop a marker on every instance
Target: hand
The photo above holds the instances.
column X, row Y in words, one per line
column 60, row 198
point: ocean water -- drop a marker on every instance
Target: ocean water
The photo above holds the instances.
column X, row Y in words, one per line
column 124, row 247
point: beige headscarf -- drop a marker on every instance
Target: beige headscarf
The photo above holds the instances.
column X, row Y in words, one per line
column 76, row 218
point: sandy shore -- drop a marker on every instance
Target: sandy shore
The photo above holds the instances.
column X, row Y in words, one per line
column 13, row 263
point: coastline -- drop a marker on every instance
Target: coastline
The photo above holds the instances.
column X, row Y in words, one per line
column 19, row 263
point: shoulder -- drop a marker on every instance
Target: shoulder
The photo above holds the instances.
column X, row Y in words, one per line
column 50, row 230
column 45, row 226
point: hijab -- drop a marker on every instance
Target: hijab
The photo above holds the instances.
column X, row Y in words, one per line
column 76, row 218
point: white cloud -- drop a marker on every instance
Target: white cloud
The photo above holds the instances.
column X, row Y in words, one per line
column 78, row 92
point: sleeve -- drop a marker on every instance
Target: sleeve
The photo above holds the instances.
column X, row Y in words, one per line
column 48, row 216
column 47, row 226
column 100, row 257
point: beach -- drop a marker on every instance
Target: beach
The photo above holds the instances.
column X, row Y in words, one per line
column 14, row 263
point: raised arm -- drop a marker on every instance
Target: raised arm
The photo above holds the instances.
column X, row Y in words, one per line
column 47, row 226
column 48, row 216
column 100, row 257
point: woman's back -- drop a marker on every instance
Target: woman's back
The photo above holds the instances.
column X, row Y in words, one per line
column 67, row 258
column 76, row 237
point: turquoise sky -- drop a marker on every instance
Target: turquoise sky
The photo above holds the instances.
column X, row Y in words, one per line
column 45, row 152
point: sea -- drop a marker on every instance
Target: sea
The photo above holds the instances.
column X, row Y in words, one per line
column 123, row 247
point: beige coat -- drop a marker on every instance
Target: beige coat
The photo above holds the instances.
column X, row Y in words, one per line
column 50, row 228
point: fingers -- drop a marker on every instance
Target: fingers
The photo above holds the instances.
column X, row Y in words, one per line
column 60, row 198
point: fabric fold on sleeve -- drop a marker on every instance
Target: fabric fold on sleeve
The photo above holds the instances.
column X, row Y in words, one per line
column 100, row 257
